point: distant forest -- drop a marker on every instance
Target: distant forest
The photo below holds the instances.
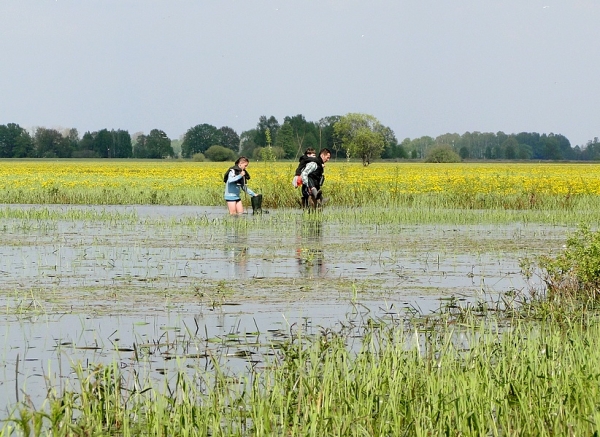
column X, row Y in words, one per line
column 286, row 140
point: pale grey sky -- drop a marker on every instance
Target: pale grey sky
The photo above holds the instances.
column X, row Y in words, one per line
column 422, row 67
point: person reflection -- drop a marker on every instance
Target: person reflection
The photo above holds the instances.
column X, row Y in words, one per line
column 309, row 250
column 236, row 253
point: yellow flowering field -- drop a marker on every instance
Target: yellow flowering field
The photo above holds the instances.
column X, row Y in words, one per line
column 473, row 185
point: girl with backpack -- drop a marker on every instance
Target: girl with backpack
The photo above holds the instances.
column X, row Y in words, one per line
column 235, row 181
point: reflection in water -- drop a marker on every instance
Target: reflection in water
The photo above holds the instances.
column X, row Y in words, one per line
column 236, row 252
column 309, row 250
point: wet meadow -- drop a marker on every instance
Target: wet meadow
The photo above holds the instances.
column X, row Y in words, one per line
column 421, row 300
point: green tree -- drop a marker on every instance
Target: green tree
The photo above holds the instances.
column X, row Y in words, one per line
column 85, row 148
column 199, row 138
column 451, row 139
column 362, row 136
column 327, row 136
column 49, row 143
column 247, row 143
column 230, row 139
column 552, row 146
column 266, row 124
column 156, row 145
column 591, row 150
column 73, row 136
column 121, row 147
column 15, row 142
column 392, row 148
column 103, row 141
column 304, row 134
column 285, row 140
column 511, row 147
column 421, row 146
column 159, row 144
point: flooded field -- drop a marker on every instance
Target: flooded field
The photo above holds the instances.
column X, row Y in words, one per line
column 158, row 288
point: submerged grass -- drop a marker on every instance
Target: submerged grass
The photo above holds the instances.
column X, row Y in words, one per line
column 286, row 218
column 473, row 377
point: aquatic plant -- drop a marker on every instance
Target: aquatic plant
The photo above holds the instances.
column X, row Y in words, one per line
column 576, row 271
column 396, row 378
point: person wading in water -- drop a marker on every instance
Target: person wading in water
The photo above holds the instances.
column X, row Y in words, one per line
column 235, row 181
column 313, row 178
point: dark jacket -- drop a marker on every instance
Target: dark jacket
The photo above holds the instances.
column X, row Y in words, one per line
column 302, row 163
column 237, row 172
column 315, row 177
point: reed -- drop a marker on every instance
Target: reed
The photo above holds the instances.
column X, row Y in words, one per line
column 472, row 378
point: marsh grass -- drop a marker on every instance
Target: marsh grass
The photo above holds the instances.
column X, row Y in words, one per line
column 467, row 376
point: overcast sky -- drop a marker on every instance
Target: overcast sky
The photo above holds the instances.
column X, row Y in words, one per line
column 422, row 67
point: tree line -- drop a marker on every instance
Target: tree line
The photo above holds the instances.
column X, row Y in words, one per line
column 359, row 136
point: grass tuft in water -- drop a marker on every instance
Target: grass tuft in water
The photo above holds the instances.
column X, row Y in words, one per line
column 454, row 372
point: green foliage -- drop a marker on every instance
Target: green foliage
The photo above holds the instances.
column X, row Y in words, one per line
column 15, row 142
column 154, row 146
column 394, row 150
column 285, row 140
column 456, row 376
column 267, row 154
column 260, row 133
column 442, row 153
column 103, row 142
column 198, row 157
column 247, row 143
column 576, row 271
column 363, row 136
column 199, row 138
column 220, row 154
column 122, row 146
column 49, row 143
column 230, row 139
column 303, row 134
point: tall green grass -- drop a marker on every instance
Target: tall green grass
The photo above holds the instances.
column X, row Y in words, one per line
column 279, row 194
column 471, row 378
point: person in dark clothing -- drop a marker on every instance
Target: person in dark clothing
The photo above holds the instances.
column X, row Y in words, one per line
column 313, row 178
column 297, row 181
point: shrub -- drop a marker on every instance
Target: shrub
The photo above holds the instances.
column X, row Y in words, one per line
column 220, row 154
column 198, row 157
column 442, row 153
column 576, row 271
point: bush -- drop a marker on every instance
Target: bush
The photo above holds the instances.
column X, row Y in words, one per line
column 576, row 271
column 198, row 157
column 220, row 154
column 443, row 153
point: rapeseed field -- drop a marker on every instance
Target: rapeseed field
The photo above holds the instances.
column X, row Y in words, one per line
column 465, row 185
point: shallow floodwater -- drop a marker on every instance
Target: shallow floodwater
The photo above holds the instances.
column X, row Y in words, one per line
column 164, row 286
